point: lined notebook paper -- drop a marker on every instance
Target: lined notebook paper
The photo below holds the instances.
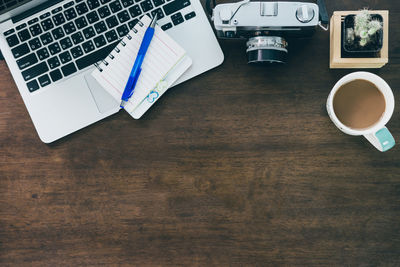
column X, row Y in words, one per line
column 161, row 58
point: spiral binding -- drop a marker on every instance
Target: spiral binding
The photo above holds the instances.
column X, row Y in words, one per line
column 116, row 49
column 98, row 67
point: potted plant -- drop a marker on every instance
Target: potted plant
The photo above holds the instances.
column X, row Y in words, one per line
column 363, row 34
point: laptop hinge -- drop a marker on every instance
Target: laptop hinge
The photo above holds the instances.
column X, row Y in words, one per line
column 34, row 10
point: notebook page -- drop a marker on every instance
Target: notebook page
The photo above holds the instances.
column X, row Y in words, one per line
column 161, row 57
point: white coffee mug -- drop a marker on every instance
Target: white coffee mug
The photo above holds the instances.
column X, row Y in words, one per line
column 377, row 134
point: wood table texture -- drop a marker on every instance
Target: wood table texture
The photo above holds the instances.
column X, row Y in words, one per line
column 240, row 166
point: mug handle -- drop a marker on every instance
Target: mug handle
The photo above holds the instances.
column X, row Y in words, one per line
column 382, row 139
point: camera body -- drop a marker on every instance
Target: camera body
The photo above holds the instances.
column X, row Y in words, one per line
column 266, row 25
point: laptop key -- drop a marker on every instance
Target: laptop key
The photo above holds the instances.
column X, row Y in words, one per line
column 123, row 16
column 10, row 31
column 56, row 10
column 43, row 53
column 92, row 17
column 93, row 4
column 178, row 21
column 53, row 62
column 24, row 35
column 146, row 5
column 67, row 5
column 158, row 2
column 68, row 69
column 159, row 13
column 99, row 41
column 35, row 29
column 70, row 13
column 12, row 40
column 115, row 6
column 65, row 43
column 32, row 86
column 177, row 18
column 87, row 47
column 35, row 43
column 44, row 80
column 58, row 19
column 81, row 8
column 100, row 27
column 30, row 22
column 81, row 22
column 96, row 56
column 104, row 11
column 122, row 30
column 190, row 15
column 166, row 26
column 135, row 11
column 111, row 36
column 58, row 33
column 35, row 71
column 45, row 15
column 27, row 61
column 20, row 50
column 47, row 24
column 21, row 26
column 112, row 22
column 56, row 75
column 174, row 6
column 127, row 3
column 89, row 32
column 65, row 57
column 54, row 48
column 76, row 52
column 77, row 38
column 69, row 27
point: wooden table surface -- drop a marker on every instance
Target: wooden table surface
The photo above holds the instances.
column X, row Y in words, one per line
column 239, row 166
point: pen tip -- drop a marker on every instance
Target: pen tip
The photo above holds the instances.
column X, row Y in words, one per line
column 153, row 21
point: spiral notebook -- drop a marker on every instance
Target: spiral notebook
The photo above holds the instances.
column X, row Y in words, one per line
column 164, row 63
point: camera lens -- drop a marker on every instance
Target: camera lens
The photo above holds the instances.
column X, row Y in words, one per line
column 270, row 49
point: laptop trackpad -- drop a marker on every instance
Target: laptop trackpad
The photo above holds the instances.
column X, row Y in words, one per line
column 104, row 101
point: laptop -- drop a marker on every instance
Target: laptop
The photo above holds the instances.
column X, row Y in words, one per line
column 51, row 48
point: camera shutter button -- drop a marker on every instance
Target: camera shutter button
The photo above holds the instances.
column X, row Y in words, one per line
column 305, row 13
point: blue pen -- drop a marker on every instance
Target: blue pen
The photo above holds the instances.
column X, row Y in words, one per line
column 137, row 66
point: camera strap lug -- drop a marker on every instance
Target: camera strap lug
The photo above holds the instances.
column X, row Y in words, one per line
column 325, row 28
column 323, row 15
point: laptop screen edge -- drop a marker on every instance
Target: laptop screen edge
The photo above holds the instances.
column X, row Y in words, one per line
column 19, row 9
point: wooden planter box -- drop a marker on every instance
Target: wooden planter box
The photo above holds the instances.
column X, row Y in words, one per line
column 337, row 62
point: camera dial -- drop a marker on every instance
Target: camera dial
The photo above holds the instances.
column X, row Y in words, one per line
column 304, row 13
column 270, row 49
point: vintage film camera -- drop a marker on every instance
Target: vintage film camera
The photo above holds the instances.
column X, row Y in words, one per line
column 267, row 25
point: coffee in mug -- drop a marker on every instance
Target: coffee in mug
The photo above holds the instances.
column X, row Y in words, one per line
column 361, row 103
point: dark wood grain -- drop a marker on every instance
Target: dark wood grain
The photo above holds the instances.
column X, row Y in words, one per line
column 240, row 166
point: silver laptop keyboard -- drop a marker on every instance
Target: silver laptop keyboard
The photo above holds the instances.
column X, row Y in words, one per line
column 80, row 33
